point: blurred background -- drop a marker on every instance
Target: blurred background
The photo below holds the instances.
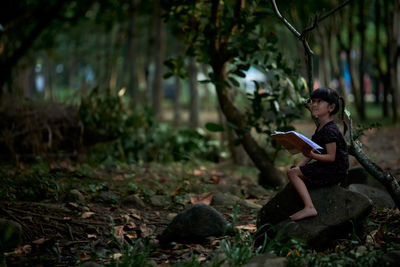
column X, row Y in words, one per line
column 114, row 69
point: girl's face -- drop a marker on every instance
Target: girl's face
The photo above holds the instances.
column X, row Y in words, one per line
column 320, row 108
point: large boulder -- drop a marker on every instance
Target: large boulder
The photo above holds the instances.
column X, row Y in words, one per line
column 338, row 211
column 194, row 224
column 379, row 197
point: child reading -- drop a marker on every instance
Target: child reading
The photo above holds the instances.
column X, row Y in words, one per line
column 329, row 167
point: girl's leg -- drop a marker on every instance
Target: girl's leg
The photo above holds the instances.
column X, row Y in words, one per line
column 294, row 176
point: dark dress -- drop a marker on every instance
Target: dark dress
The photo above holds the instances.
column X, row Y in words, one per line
column 320, row 173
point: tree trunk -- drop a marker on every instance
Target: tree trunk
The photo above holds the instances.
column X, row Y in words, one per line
column 324, row 59
column 392, row 56
column 361, row 29
column 269, row 174
column 158, row 86
column 177, row 98
column 149, row 57
column 132, row 56
column 377, row 58
column 336, row 62
column 194, row 95
column 48, row 78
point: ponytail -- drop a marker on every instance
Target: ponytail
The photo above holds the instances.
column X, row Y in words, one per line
column 344, row 123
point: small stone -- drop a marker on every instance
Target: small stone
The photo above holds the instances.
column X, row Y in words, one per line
column 75, row 196
column 251, row 205
column 194, row 224
column 133, row 201
column 159, row 201
column 224, row 199
column 107, row 197
column 270, row 260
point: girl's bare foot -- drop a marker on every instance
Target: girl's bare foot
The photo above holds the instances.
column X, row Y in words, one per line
column 304, row 213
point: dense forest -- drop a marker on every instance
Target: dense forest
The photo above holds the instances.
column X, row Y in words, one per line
column 137, row 133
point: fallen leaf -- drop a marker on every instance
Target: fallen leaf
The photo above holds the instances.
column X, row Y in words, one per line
column 146, row 231
column 92, row 236
column 130, row 225
column 215, row 179
column 126, row 217
column 39, row 241
column 197, row 172
column 132, row 236
column 202, row 258
column 87, row 214
column 137, row 216
column 116, row 256
column 73, row 204
column 84, row 257
column 248, row 227
column 21, row 251
column 202, row 199
column 119, row 232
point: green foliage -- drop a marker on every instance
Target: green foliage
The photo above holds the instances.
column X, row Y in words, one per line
column 137, row 136
column 102, row 112
column 33, row 185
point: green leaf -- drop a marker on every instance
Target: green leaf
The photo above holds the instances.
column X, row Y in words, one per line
column 234, row 82
column 214, row 127
column 348, row 114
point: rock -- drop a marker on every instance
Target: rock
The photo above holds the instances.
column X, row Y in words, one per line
column 356, row 176
column 379, row 197
column 226, row 188
column 224, row 199
column 107, row 197
column 75, row 196
column 337, row 208
column 10, row 235
column 159, row 201
column 133, row 201
column 193, row 225
column 392, row 258
column 251, row 205
column 270, row 260
column 257, row 191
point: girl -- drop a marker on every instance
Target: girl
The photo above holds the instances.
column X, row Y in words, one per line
column 329, row 167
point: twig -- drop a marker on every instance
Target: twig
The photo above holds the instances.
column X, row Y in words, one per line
column 70, row 232
column 282, row 18
column 333, row 11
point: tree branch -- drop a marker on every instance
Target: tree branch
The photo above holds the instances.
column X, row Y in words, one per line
column 287, row 23
column 384, row 177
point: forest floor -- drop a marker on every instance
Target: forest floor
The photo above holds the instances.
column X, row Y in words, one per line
column 105, row 222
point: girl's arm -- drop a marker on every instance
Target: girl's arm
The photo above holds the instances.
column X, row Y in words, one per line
column 328, row 157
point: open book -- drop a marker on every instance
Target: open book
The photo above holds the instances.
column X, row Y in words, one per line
column 295, row 142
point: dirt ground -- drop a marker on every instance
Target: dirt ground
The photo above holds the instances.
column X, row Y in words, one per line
column 68, row 232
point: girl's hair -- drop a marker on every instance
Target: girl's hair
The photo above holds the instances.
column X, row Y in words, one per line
column 332, row 97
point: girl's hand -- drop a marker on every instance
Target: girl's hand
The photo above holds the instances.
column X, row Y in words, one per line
column 309, row 154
